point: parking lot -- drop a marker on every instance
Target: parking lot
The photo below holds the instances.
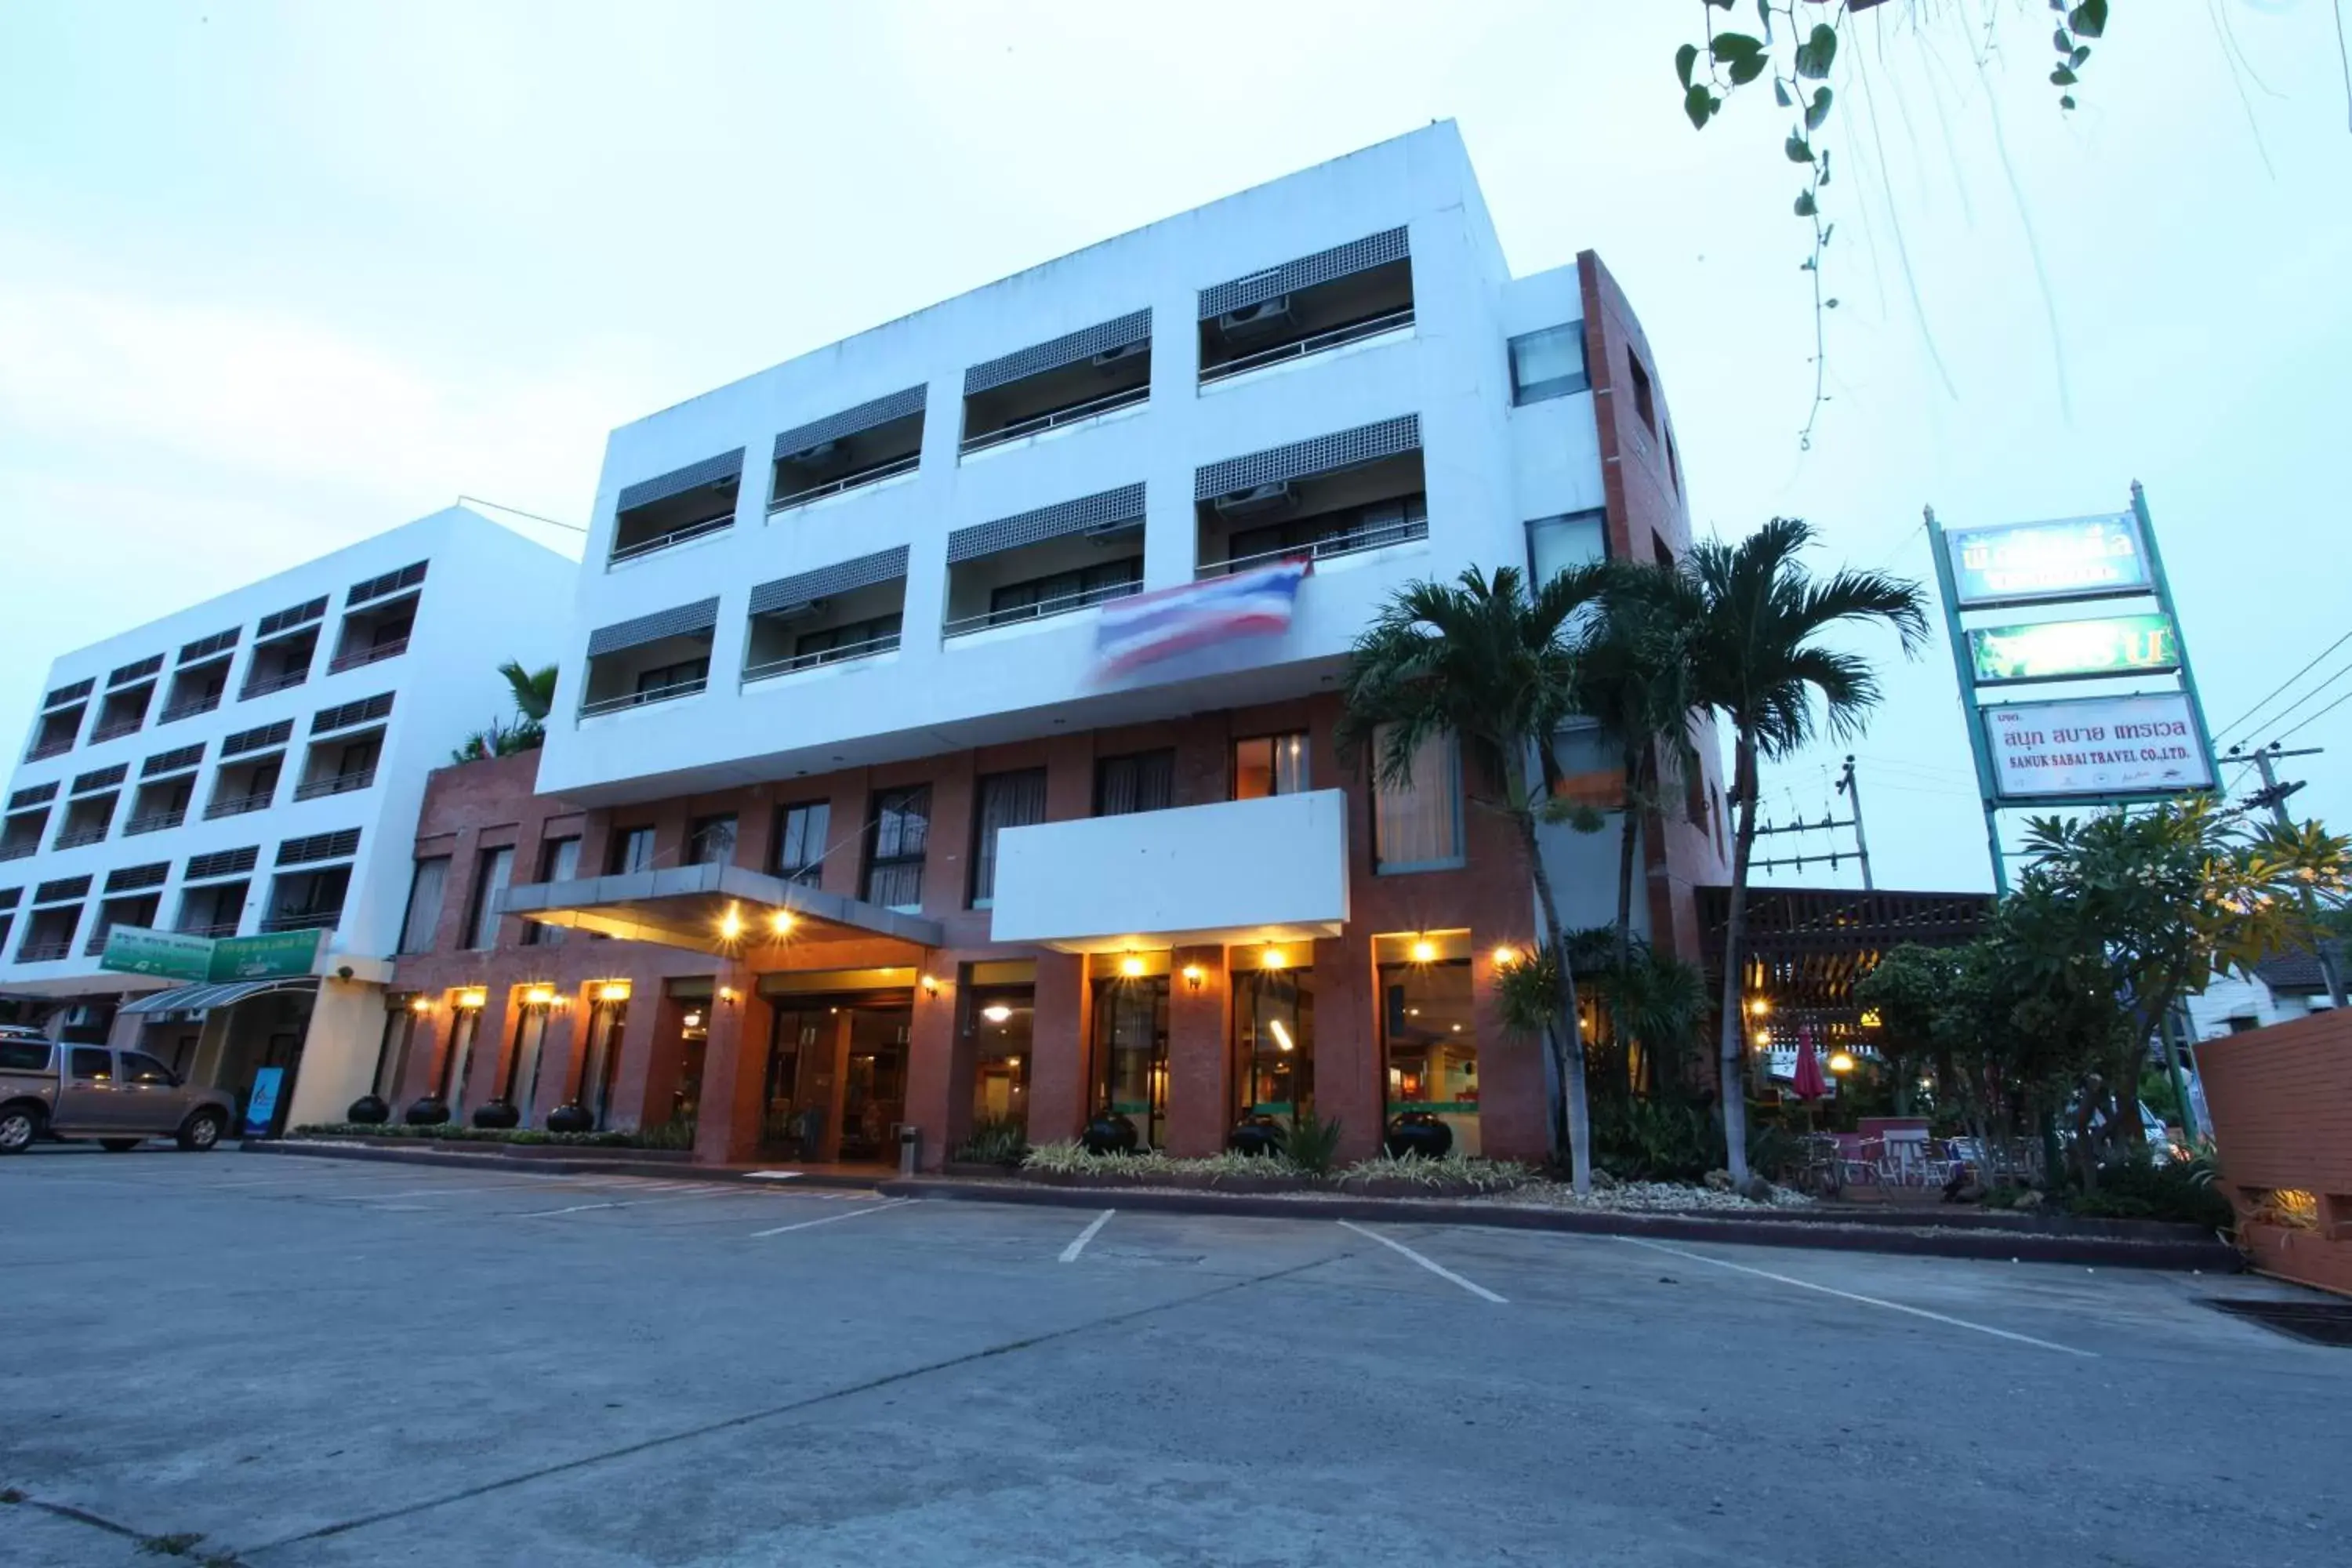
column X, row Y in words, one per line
column 305, row 1361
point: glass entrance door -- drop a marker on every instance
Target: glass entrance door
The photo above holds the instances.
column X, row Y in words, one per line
column 874, row 1095
column 1131, row 1053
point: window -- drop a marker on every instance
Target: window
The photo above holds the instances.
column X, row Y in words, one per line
column 1063, row 591
column 1673, row 464
column 690, row 673
column 1591, row 765
column 1270, row 764
column 1130, row 1056
column 96, row 1066
column 559, row 862
column 1429, row 1034
column 800, row 841
column 1003, row 1024
column 1341, row 532
column 852, row 639
column 711, row 841
column 894, row 860
column 1144, row 781
column 1273, row 1040
column 24, row 1056
column 633, row 850
column 1644, row 403
column 1661, row 551
column 1571, row 538
column 1006, row 800
column 1417, row 826
column 497, row 869
column 424, row 914
column 138, row 1067
column 1549, row 364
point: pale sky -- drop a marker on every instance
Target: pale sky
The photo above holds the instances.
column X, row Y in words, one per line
column 275, row 277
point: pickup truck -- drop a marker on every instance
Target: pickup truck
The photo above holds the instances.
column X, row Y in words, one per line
column 122, row 1098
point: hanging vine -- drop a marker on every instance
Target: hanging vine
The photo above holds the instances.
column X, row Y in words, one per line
column 1798, row 50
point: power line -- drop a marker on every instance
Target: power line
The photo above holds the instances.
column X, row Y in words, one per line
column 2282, row 686
column 2316, row 718
column 496, row 506
column 2280, row 716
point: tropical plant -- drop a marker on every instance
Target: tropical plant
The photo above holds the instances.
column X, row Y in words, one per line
column 1759, row 657
column 1488, row 662
column 1310, row 1145
column 995, row 1141
column 534, row 689
column 534, row 698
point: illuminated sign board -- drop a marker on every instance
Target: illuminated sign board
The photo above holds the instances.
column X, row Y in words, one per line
column 2055, row 650
column 2037, row 563
column 2095, row 746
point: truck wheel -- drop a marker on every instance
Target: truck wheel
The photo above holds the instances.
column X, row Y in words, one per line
column 19, row 1125
column 120, row 1145
column 200, row 1135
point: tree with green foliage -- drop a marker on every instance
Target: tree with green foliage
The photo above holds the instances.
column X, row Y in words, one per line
column 534, row 699
column 1761, row 658
column 1492, row 664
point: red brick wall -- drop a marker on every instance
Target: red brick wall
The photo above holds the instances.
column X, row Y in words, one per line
column 1647, row 507
column 2282, row 1105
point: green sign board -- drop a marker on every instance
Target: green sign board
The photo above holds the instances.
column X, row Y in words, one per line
column 268, row 957
column 135, row 950
column 2039, row 562
column 2057, row 650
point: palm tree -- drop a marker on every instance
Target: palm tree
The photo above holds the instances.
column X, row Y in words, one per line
column 1493, row 665
column 1759, row 659
column 534, row 692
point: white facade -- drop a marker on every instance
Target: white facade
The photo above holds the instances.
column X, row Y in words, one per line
column 485, row 596
column 1487, row 467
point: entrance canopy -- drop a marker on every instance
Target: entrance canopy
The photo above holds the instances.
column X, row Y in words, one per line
column 203, row 998
column 717, row 909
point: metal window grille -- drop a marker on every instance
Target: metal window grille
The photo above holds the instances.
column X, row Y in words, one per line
column 65, row 694
column 700, row 617
column 715, row 470
column 130, row 672
column 1102, row 508
column 1305, row 459
column 205, row 647
column 407, row 576
column 1067, row 349
column 171, row 762
column 285, row 620
column 253, row 740
column 343, row 715
column 60, row 890
column 129, row 878
column 1339, row 261
column 222, row 863
column 101, row 778
column 319, row 847
column 33, row 795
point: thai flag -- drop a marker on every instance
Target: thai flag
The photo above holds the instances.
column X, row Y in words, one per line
column 1152, row 626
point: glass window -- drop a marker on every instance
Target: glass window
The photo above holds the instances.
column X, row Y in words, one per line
column 559, row 862
column 1270, row 764
column 894, row 860
column 138, row 1067
column 1591, row 765
column 1417, row 826
column 1273, row 1040
column 1390, row 522
column 93, row 1065
column 24, row 1056
column 425, row 888
column 663, row 678
column 1431, row 1039
column 1006, row 800
column 1003, row 1024
column 1131, row 1053
column 1549, row 364
column 1145, row 781
column 800, row 841
column 489, row 885
column 1645, row 401
column 711, row 841
column 633, row 850
column 1573, row 538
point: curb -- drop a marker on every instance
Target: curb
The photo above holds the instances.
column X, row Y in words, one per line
column 591, row 1165
column 2212, row 1256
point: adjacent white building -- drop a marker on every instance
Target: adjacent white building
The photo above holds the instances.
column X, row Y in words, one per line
column 254, row 765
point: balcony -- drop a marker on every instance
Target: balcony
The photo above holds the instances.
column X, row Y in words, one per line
column 239, row 805
column 667, row 510
column 341, row 783
column 213, row 928
column 114, row 728
column 1338, row 543
column 661, row 692
column 1393, row 322
column 836, row 653
column 50, row 746
column 1067, row 602
column 717, row 523
column 1054, row 419
column 1273, row 869
column 671, row 661
column 19, row 849
column 373, row 632
column 1361, row 504
column 858, row 479
column 189, row 707
column 308, row 920
column 836, row 615
column 47, row 950
column 276, row 680
column 75, row 838
column 867, row 444
column 392, row 648
column 155, row 821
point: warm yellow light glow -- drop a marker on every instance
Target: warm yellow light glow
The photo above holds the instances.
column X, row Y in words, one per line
column 1131, row 966
column 1457, row 1028
column 730, row 924
column 1424, row 951
column 693, row 1020
column 420, row 1004
column 540, row 996
column 1194, row 975
column 931, row 984
column 1506, row 956
column 1759, row 1007
column 726, row 994
column 1281, row 1036
column 1840, row 1061
column 996, row 1012
column 780, row 922
column 472, row 997
column 1870, row 1019
column 614, row 991
column 1272, row 959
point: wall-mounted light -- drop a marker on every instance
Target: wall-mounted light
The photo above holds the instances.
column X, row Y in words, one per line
column 780, row 922
column 1194, row 976
column 730, row 924
column 539, row 996
column 1132, row 966
column 1840, row 1061
column 614, row 991
column 930, row 984
column 1272, row 959
column 1506, row 956
column 472, row 998
column 726, row 995
column 420, row 1004
column 1758, row 1006
column 1424, row 950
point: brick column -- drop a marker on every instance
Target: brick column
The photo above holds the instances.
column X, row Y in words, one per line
column 1348, row 1068
column 647, row 1076
column 1200, row 1053
column 727, row 1114
column 1061, row 1082
column 425, row 1048
column 1512, row 1107
column 939, row 1064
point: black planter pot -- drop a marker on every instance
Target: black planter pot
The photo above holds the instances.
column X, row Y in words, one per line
column 1109, row 1133
column 1419, row 1132
column 430, row 1112
column 1256, row 1135
column 368, row 1110
column 497, row 1113
column 571, row 1119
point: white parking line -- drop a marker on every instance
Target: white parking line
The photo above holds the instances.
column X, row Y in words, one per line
column 1070, row 1253
column 616, row 1203
column 1865, row 1301
column 848, row 1214
column 1439, row 1269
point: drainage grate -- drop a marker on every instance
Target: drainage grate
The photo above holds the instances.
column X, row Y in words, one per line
column 2318, row 1323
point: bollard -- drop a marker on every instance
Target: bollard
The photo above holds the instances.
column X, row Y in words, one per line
column 911, row 1148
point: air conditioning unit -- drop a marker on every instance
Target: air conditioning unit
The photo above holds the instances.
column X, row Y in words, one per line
column 817, row 453
column 1259, row 500
column 1111, row 357
column 1256, row 320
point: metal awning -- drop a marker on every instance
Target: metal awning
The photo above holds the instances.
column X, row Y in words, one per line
column 720, row 909
column 203, row 998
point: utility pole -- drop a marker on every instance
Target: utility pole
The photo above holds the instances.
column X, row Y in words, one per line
column 1848, row 787
column 2273, row 796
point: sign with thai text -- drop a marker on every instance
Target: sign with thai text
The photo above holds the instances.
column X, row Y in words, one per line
column 272, row 955
column 2058, row 650
column 135, row 950
column 2037, row 563
column 2093, row 746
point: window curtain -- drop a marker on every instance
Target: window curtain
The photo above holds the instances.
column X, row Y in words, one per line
column 498, row 870
column 1006, row 800
column 424, row 890
column 1419, row 825
column 1145, row 782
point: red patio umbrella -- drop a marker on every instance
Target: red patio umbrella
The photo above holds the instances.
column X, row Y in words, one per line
column 1809, row 1083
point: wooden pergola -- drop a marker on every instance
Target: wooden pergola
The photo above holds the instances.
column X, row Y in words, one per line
column 1805, row 947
